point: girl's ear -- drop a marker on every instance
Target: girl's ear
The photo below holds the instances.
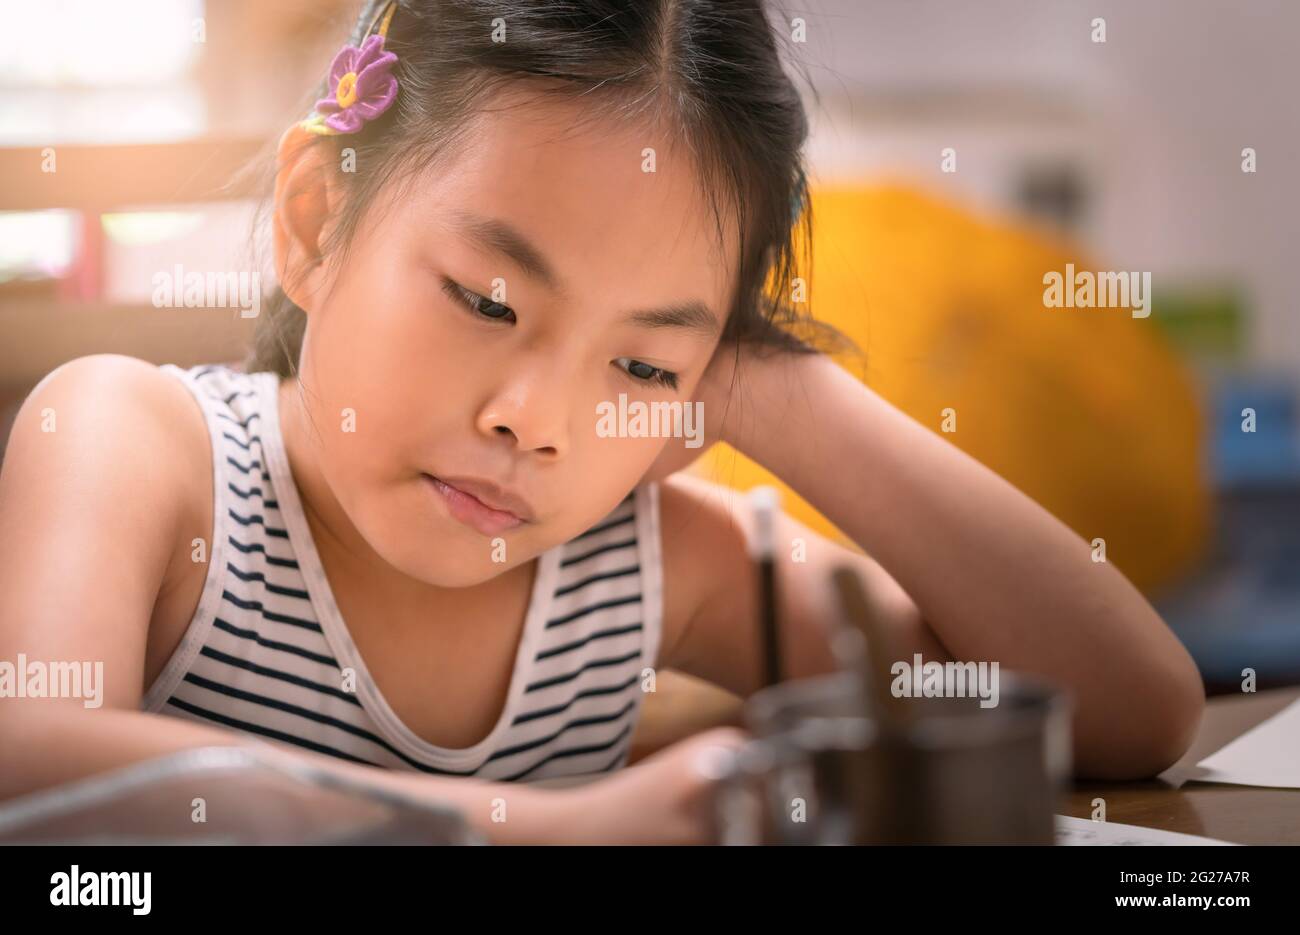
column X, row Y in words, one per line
column 305, row 195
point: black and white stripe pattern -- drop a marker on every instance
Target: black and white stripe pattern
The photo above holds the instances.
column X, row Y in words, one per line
column 267, row 649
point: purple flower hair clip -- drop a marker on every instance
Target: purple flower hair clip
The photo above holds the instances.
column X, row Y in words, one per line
column 362, row 83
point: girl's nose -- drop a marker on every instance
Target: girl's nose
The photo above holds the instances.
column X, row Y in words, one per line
column 532, row 413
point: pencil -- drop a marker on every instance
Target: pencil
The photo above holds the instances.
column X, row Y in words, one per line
column 765, row 501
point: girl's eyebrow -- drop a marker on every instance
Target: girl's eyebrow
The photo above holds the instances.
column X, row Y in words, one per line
column 499, row 236
column 691, row 316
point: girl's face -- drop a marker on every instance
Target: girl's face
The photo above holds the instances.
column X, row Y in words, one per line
column 484, row 313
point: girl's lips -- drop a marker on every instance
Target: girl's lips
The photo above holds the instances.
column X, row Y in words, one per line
column 467, row 509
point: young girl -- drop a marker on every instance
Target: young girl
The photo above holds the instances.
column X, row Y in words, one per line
column 395, row 541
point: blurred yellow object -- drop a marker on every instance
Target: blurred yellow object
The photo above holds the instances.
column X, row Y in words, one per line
column 1088, row 411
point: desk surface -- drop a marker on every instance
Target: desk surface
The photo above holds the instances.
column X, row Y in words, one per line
column 1241, row 814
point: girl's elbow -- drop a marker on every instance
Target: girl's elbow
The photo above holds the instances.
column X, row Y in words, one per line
column 1174, row 719
column 1173, row 699
column 1181, row 722
column 1146, row 732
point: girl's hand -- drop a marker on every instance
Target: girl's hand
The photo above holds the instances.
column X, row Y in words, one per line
column 667, row 798
column 747, row 396
column 716, row 393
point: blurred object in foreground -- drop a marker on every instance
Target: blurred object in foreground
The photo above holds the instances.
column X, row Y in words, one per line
column 227, row 795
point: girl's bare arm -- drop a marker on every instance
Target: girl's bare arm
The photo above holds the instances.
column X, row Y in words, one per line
column 985, row 573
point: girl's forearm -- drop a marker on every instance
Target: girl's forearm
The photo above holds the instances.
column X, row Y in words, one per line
column 994, row 575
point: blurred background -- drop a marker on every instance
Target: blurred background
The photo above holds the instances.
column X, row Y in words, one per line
column 960, row 151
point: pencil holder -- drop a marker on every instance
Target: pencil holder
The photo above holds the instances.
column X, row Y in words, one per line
column 820, row 771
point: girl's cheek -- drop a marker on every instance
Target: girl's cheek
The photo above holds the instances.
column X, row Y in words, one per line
column 618, row 462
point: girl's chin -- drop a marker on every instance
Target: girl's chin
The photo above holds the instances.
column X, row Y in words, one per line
column 454, row 567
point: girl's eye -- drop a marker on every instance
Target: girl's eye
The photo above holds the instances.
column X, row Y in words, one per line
column 648, row 374
column 477, row 304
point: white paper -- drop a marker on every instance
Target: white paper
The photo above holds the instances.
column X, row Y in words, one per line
column 1085, row 832
column 1266, row 755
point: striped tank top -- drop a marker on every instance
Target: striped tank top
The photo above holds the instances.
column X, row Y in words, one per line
column 266, row 650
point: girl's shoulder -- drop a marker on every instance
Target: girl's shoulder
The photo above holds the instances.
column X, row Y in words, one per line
column 127, row 429
column 107, row 474
column 111, row 409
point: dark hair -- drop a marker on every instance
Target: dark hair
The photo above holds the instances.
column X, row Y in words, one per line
column 711, row 66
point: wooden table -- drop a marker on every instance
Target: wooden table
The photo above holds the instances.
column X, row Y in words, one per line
column 1241, row 814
